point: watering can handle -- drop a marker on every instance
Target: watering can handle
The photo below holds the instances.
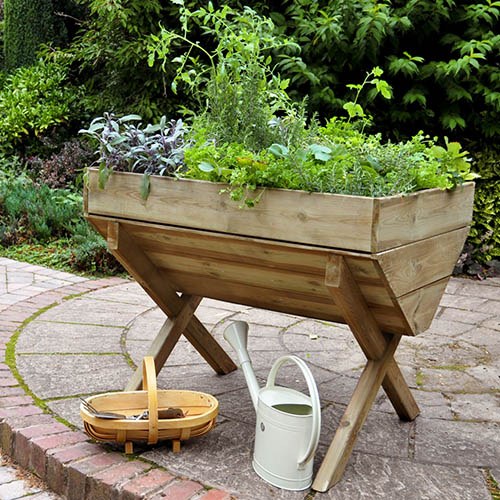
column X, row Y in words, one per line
column 313, row 392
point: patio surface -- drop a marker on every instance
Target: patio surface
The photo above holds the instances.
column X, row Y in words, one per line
column 74, row 337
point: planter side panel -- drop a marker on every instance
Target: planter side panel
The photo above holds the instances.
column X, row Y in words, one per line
column 326, row 220
column 421, row 263
column 404, row 219
column 265, row 274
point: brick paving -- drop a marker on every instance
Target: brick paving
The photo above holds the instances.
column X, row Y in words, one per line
column 82, row 334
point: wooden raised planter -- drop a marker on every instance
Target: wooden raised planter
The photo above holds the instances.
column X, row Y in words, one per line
column 380, row 265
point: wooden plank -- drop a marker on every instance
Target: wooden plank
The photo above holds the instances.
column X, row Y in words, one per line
column 364, row 394
column 167, row 338
column 258, row 253
column 320, row 307
column 421, row 305
column 267, row 295
column 317, row 218
column 417, row 216
column 151, row 279
column 413, row 266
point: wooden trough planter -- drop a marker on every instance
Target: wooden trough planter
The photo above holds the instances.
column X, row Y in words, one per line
column 380, row 265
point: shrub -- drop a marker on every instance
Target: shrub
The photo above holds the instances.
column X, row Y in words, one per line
column 485, row 230
column 35, row 213
column 34, row 100
column 63, row 169
column 440, row 58
column 28, row 24
column 89, row 252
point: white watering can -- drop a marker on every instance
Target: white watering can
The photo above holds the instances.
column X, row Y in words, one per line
column 288, row 422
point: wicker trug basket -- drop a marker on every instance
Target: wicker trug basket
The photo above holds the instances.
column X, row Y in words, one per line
column 200, row 412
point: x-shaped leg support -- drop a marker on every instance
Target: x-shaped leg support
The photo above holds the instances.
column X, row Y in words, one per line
column 180, row 310
column 381, row 369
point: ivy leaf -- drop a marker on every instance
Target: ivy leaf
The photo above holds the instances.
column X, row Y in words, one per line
column 145, row 187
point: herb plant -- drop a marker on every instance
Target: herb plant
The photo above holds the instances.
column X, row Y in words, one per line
column 250, row 134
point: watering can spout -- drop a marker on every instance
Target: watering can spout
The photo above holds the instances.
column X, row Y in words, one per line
column 236, row 334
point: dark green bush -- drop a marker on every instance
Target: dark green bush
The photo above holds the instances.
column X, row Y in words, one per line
column 35, row 213
column 485, row 230
column 89, row 252
column 28, row 24
column 31, row 214
column 441, row 59
column 111, row 56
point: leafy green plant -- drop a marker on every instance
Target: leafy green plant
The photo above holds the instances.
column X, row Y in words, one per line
column 35, row 213
column 238, row 93
column 33, row 100
column 88, row 252
column 251, row 135
column 125, row 145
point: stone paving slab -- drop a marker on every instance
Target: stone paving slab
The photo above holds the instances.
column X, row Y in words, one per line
column 42, row 337
column 453, row 370
column 370, row 476
column 52, row 375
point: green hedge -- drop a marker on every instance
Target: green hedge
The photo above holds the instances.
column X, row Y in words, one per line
column 28, row 24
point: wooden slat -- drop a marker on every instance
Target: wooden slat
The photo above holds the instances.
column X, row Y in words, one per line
column 421, row 305
column 316, row 218
column 256, row 288
column 329, row 220
column 420, row 215
column 320, row 307
column 258, row 253
column 415, row 265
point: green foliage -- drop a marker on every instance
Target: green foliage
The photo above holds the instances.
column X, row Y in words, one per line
column 341, row 159
column 110, row 53
column 88, row 252
column 251, row 135
column 126, row 146
column 485, row 230
column 236, row 89
column 441, row 59
column 33, row 100
column 28, row 24
column 31, row 215
column 35, row 213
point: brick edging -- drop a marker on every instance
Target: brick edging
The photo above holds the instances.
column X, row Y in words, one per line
column 70, row 464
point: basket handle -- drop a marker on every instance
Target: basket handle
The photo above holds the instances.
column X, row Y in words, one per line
column 149, row 384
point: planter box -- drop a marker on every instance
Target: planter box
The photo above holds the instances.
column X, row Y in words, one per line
column 401, row 249
column 380, row 265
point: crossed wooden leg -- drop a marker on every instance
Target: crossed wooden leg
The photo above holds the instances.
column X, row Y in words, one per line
column 180, row 310
column 381, row 369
